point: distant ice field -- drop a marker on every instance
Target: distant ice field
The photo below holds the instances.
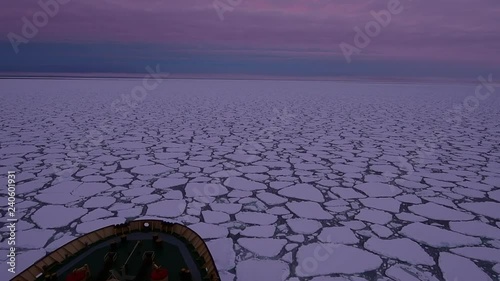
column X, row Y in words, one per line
column 313, row 181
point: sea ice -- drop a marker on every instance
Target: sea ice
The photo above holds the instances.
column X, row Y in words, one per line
column 253, row 269
column 376, row 189
column 151, row 170
column 438, row 212
column 381, row 230
column 96, row 214
column 303, row 226
column 402, row 249
column 166, row 208
column 476, row 228
column 90, row 189
column 243, row 184
column 223, row 253
column 459, row 268
column 489, row 209
column 265, row 247
column 346, row 193
column 479, row 253
column 437, row 237
column 259, row 231
column 495, row 195
column 99, row 202
column 302, row 191
column 208, row 231
column 309, row 210
column 205, row 190
column 334, row 259
column 56, row 198
column 33, row 238
column 374, row 216
column 55, row 216
column 165, row 183
column 271, row 199
column 384, row 204
column 87, row 227
column 256, row 218
column 338, row 235
column 229, row 208
column 214, row 217
column 201, row 148
column 401, row 272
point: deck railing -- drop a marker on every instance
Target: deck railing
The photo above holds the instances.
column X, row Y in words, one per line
column 74, row 247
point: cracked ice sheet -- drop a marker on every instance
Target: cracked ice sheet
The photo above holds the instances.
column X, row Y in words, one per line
column 265, row 170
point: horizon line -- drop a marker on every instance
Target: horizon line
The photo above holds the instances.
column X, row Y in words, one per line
column 138, row 76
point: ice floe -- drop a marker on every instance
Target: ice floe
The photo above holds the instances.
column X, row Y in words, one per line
column 328, row 258
column 459, row 268
column 402, row 249
column 437, row 237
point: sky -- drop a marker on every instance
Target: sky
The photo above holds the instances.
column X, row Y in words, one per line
column 428, row 39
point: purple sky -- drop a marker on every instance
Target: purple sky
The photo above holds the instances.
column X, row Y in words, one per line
column 454, row 32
